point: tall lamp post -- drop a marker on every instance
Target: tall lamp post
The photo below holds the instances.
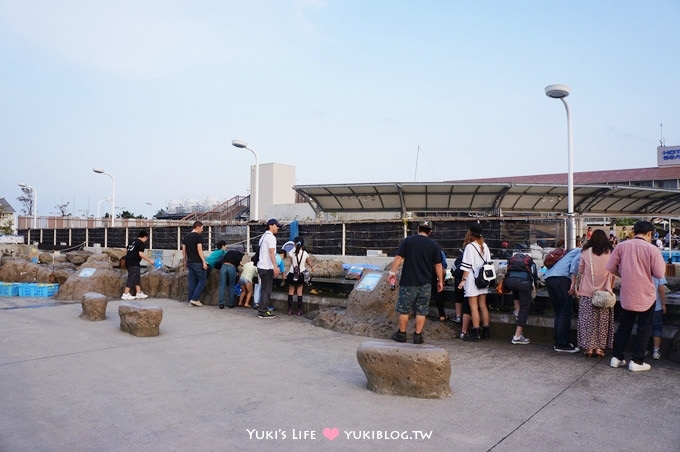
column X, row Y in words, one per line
column 34, row 192
column 113, row 193
column 256, row 187
column 561, row 92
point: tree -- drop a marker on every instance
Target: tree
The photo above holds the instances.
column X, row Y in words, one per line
column 6, row 225
column 62, row 208
column 26, row 200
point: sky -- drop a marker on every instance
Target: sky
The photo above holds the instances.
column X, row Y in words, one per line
column 347, row 91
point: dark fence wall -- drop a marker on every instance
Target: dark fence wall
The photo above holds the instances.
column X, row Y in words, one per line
column 320, row 238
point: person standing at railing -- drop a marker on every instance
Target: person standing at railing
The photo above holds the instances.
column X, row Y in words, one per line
column 194, row 261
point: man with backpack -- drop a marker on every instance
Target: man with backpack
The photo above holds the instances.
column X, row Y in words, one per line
column 560, row 280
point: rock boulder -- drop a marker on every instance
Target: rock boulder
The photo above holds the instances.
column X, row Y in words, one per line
column 405, row 369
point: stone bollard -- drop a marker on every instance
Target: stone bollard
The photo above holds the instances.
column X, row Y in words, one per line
column 139, row 319
column 410, row 370
column 94, row 306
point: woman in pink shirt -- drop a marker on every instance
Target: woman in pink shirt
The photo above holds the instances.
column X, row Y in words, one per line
column 595, row 331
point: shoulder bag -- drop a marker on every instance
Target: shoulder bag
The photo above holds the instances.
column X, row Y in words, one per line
column 601, row 298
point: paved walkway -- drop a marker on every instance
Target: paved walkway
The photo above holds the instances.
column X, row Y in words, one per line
column 224, row 380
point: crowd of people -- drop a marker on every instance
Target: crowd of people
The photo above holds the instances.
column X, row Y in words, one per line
column 588, row 271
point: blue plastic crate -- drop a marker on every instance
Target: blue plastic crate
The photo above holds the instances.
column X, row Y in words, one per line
column 37, row 290
column 9, row 289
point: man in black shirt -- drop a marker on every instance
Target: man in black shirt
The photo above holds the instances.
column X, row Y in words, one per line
column 421, row 258
column 134, row 256
column 194, row 261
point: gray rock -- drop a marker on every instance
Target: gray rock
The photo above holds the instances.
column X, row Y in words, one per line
column 105, row 280
column 405, row 369
column 94, row 306
column 140, row 319
column 373, row 314
column 78, row 257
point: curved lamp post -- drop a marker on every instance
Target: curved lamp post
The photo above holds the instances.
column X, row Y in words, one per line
column 256, row 187
column 561, row 92
column 113, row 193
column 99, row 204
column 34, row 192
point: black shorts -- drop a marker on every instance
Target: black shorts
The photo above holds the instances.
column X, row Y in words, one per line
column 133, row 278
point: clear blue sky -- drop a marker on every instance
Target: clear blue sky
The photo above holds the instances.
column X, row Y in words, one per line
column 154, row 91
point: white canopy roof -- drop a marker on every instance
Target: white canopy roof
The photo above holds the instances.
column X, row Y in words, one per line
column 491, row 199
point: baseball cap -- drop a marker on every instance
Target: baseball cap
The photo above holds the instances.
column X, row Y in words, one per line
column 273, row 221
column 476, row 229
column 425, row 224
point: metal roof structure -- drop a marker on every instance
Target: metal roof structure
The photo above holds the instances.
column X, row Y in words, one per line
column 490, row 199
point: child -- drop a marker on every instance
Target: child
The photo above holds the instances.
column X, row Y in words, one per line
column 659, row 311
column 134, row 256
column 295, row 279
column 246, row 281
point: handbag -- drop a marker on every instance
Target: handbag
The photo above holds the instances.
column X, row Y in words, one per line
column 601, row 298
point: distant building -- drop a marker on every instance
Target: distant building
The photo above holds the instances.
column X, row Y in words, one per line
column 666, row 175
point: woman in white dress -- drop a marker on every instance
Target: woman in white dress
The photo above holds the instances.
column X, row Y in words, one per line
column 475, row 254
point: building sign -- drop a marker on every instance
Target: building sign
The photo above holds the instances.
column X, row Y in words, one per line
column 668, row 155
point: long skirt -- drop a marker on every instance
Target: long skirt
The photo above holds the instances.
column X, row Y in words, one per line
column 595, row 325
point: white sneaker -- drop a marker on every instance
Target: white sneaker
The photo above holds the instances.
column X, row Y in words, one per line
column 635, row 367
column 520, row 340
column 141, row 295
column 127, row 296
column 615, row 362
column 656, row 354
column 196, row 303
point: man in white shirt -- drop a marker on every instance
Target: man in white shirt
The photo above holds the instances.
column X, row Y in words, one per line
column 267, row 269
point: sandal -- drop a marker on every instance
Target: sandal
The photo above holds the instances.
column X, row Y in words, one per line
column 599, row 353
column 588, row 353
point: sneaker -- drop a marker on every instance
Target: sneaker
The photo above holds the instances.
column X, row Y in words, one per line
column 418, row 338
column 141, row 295
column 568, row 349
column 195, row 303
column 399, row 336
column 656, row 354
column 221, row 306
column 616, row 362
column 635, row 367
column 520, row 340
column 266, row 315
column 462, row 335
column 127, row 296
column 456, row 320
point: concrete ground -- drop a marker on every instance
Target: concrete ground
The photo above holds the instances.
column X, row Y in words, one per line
column 224, row 380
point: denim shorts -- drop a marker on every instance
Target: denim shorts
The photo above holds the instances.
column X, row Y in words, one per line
column 414, row 298
column 657, row 323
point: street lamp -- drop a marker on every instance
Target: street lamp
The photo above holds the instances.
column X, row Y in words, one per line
column 256, row 186
column 113, row 193
column 34, row 192
column 561, row 92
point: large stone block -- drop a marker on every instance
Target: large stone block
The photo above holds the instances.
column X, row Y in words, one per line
column 409, row 370
column 94, row 306
column 140, row 319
